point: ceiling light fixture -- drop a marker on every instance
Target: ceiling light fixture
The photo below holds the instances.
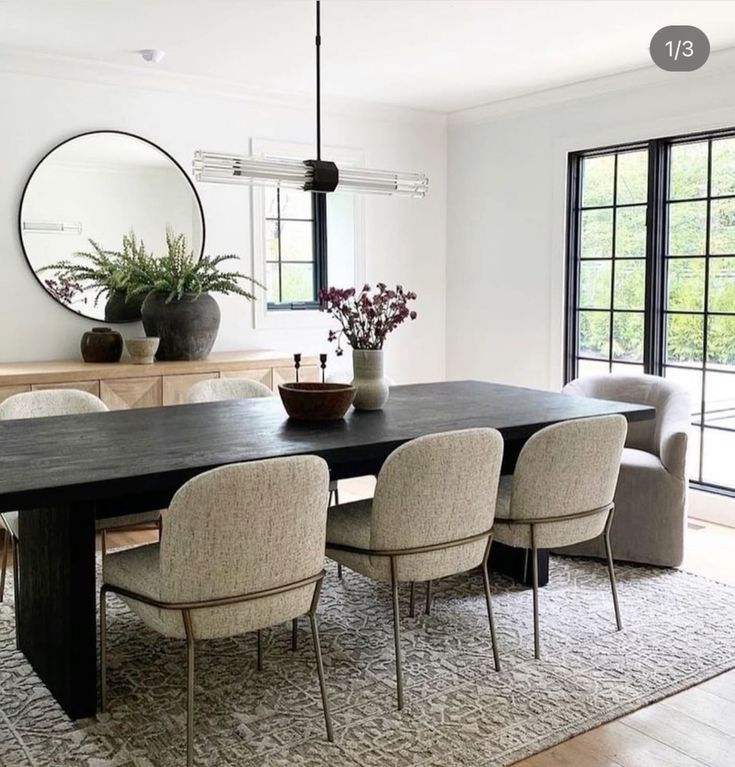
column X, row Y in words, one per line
column 153, row 55
column 310, row 175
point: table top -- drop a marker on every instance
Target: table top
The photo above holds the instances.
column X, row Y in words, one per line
column 101, row 456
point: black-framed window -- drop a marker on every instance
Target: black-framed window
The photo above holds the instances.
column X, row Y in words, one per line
column 296, row 248
column 651, row 278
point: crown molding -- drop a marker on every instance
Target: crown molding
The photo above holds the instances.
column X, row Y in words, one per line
column 719, row 63
column 59, row 67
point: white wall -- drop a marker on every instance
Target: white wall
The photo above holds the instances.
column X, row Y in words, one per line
column 404, row 239
column 506, row 207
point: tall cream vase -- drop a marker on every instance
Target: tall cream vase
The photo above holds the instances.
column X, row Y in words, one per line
column 369, row 382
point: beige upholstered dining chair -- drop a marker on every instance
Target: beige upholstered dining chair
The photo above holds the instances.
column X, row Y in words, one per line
column 562, row 492
column 219, row 389
column 55, row 402
column 651, row 494
column 242, row 548
column 431, row 516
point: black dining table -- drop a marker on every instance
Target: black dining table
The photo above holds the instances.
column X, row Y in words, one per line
column 62, row 473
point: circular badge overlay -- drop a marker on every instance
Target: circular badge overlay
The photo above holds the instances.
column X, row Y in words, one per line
column 679, row 48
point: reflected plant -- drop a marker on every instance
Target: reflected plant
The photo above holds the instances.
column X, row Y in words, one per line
column 64, row 290
column 101, row 270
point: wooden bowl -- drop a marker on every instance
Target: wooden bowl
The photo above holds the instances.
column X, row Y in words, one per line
column 316, row 401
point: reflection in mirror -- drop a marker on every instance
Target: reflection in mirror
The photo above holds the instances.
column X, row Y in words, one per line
column 95, row 201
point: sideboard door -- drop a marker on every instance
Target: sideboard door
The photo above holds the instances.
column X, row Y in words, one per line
column 124, row 393
column 175, row 388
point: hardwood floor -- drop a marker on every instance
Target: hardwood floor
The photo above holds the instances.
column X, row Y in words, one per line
column 691, row 729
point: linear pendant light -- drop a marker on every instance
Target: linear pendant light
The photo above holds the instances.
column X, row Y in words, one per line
column 310, row 175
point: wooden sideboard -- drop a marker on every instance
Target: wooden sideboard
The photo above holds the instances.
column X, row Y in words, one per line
column 121, row 385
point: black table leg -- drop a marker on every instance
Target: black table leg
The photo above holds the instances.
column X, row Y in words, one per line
column 517, row 563
column 56, row 623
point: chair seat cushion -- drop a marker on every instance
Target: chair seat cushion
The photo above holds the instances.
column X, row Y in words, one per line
column 349, row 524
column 641, row 459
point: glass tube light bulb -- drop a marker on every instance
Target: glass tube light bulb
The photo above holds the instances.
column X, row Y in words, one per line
column 221, row 168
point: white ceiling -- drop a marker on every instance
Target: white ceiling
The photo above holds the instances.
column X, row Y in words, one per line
column 442, row 55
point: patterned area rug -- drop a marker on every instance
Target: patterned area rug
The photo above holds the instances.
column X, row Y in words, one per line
column 459, row 712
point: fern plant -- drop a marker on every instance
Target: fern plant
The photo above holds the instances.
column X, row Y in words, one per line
column 179, row 274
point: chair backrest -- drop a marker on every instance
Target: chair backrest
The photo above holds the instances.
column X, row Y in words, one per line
column 241, row 529
column 50, row 402
column 566, row 469
column 219, row 389
column 670, row 399
column 437, row 489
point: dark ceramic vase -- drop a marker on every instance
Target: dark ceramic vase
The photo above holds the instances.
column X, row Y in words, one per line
column 187, row 328
column 102, row 345
column 117, row 309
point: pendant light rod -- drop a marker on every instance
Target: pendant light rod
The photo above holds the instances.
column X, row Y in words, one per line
column 321, row 176
column 318, row 43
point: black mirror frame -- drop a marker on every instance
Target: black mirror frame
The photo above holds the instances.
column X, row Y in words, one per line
column 48, row 154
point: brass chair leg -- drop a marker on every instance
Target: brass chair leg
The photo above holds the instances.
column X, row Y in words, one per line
column 339, row 570
column 259, row 661
column 320, row 672
column 189, row 689
column 6, row 547
column 103, row 649
column 611, row 571
column 534, row 567
column 428, row 597
column 412, row 608
column 490, row 617
column 336, row 495
column 294, row 634
column 15, row 544
column 396, row 631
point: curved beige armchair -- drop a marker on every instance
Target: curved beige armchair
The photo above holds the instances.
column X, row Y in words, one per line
column 651, row 495
column 54, row 402
column 431, row 517
column 562, row 492
column 242, row 548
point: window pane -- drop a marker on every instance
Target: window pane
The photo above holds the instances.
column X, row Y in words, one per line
column 723, row 166
column 632, row 177
column 720, row 401
column 626, row 369
column 597, row 233
column 594, row 284
column 297, row 241
column 717, row 463
column 684, row 339
column 722, row 227
column 630, row 232
column 294, row 203
column 272, row 283
column 630, row 284
column 722, row 285
column 688, row 172
column 592, row 367
column 685, row 284
column 721, row 340
column 597, row 180
column 691, row 380
column 687, row 224
column 594, row 334
column 298, row 282
column 271, row 240
column 628, row 337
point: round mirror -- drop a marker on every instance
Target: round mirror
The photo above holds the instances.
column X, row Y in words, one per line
column 97, row 207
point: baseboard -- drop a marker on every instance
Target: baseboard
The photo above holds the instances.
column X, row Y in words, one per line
column 711, row 507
